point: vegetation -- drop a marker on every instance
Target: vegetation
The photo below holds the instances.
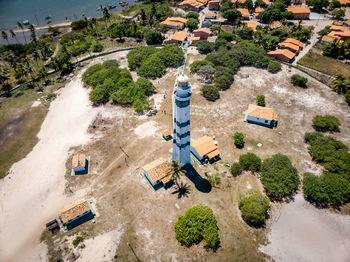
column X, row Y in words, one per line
column 318, row 4
column 250, row 162
column 154, row 37
column 274, row 66
column 198, row 223
column 196, row 65
column 79, row 24
column 337, row 49
column 254, row 206
column 275, row 12
column 192, row 23
column 97, row 47
column 109, row 82
column 260, row 100
column 77, row 240
column 341, row 85
column 236, row 169
column 326, row 123
column 210, row 92
column 151, row 62
column 238, row 140
column 204, row 46
column 232, row 15
column 176, row 171
column 279, row 177
column 298, row 80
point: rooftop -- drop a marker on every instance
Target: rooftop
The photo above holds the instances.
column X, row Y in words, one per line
column 285, row 52
column 262, row 112
column 244, row 12
column 201, row 31
column 158, row 170
column 251, row 24
column 174, row 21
column 78, row 160
column 298, row 10
column 166, row 132
column 275, row 25
column 74, row 210
column 178, row 36
column 294, row 41
column 194, row 3
column 290, row 46
column 206, row 146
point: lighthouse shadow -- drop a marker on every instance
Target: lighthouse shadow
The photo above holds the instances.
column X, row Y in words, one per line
column 199, row 182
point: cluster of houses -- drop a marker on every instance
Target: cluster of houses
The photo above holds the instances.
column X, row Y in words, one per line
column 340, row 31
column 287, row 50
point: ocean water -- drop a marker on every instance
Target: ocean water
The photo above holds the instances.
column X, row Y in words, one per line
column 35, row 11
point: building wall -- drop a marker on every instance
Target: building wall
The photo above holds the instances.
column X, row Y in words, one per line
column 301, row 16
column 195, row 153
column 79, row 220
column 259, row 121
column 149, row 179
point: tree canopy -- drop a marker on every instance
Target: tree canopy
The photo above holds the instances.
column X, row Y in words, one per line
column 326, row 123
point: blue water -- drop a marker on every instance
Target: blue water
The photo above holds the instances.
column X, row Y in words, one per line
column 35, row 11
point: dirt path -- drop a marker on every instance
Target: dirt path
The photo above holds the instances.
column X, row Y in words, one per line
column 34, row 191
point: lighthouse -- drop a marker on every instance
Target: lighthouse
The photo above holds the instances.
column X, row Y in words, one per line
column 181, row 117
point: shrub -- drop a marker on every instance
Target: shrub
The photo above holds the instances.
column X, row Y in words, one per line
column 211, row 93
column 214, row 180
column 204, row 47
column 254, row 205
column 152, row 67
column 222, row 82
column 171, row 55
column 198, row 223
column 192, row 23
column 78, row 24
column 239, row 139
column 260, row 100
column 99, row 95
column 77, row 240
column 326, row 123
column 138, row 55
column 154, row 37
column 250, row 162
column 196, row 65
column 279, row 177
column 232, row 15
column 236, row 169
column 97, row 47
column 298, row 80
column 192, row 14
column 347, row 97
column 274, row 66
column 226, row 36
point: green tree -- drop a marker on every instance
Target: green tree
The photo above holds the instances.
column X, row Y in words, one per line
column 222, row 82
column 260, row 100
column 20, row 25
column 250, row 162
column 154, row 37
column 232, row 15
column 152, row 67
column 317, row 4
column 196, row 65
column 211, row 93
column 236, row 169
column 97, row 47
column 238, row 140
column 274, row 66
column 254, row 206
column 326, row 123
column 192, row 24
column 298, row 80
column 5, row 36
column 340, row 84
column 13, row 35
column 194, row 15
column 204, row 46
column 176, row 171
column 334, row 4
column 32, row 33
column 79, row 24
column 347, row 97
column 338, row 13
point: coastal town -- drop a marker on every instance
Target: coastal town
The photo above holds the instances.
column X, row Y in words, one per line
column 187, row 130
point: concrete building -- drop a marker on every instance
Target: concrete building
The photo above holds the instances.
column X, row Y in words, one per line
column 75, row 214
column 195, row 5
column 214, row 5
column 205, row 149
column 79, row 164
column 300, row 13
column 210, row 15
column 294, row 42
column 244, row 12
column 259, row 115
column 291, row 47
column 203, row 34
column 178, row 38
column 181, row 117
column 282, row 54
column 157, row 173
column 166, row 134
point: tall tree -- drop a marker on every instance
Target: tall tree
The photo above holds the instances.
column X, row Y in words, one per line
column 19, row 24
column 13, row 35
column 32, row 33
column 5, row 36
column 176, row 171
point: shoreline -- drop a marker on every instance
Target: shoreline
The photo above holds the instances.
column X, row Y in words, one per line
column 38, row 28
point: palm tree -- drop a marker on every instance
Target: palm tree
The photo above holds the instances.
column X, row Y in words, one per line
column 338, row 83
column 5, row 36
column 176, row 171
column 32, row 33
column 101, row 8
column 13, row 35
column 19, row 24
column 106, row 13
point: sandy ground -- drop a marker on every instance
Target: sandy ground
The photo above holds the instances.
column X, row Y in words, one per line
column 34, row 190
column 301, row 232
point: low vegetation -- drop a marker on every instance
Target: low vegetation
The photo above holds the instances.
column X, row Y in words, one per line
column 260, row 100
column 298, row 80
column 210, row 92
column 77, row 240
column 198, row 223
column 254, row 206
column 250, row 162
column 326, row 123
column 279, row 177
column 238, row 140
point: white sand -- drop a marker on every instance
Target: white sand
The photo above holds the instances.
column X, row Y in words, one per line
column 36, row 103
column 146, row 129
column 101, row 247
column 301, row 232
column 33, row 192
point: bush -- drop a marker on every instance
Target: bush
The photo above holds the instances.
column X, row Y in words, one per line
column 154, row 37
column 279, row 177
column 236, row 169
column 222, row 82
column 326, row 123
column 254, row 206
column 196, row 65
column 152, row 67
column 97, row 47
column 347, row 97
column 78, row 24
column 232, row 15
column 171, row 55
column 298, row 80
column 204, row 47
column 250, row 162
column 239, row 139
column 192, row 14
column 274, row 66
column 260, row 100
column 226, row 36
column 77, row 240
column 138, row 55
column 211, row 93
column 198, row 223
column 192, row 23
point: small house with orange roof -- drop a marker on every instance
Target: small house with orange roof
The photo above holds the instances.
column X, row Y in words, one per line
column 210, row 15
column 238, row 1
column 258, row 10
column 342, row 2
column 166, row 134
column 205, row 149
column 327, row 39
column 195, row 5
column 251, row 24
column 175, row 22
column 157, row 173
column 260, row 115
column 79, row 164
column 267, row 2
column 282, row 54
column 195, row 39
column 203, row 34
column 337, row 23
column 177, row 38
column 299, row 13
column 275, row 25
column 214, row 5
column 244, row 12
column 76, row 213
column 291, row 47
column 294, row 41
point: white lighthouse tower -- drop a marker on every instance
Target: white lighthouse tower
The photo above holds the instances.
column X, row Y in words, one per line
column 181, row 116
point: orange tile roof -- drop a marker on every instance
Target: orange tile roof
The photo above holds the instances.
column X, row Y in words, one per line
column 194, row 38
column 214, row 1
column 251, row 24
column 289, row 46
column 233, row 42
column 178, row 36
column 78, row 160
column 244, row 12
column 338, row 28
column 298, row 10
column 275, row 25
column 73, row 210
column 205, row 146
column 337, row 23
column 258, row 10
column 158, row 169
column 166, row 132
column 294, row 41
column 201, row 31
column 262, row 112
column 174, row 21
column 238, row 1
column 193, row 3
column 343, row 2
column 347, row 22
column 329, row 39
column 267, row 2
column 210, row 14
column 285, row 52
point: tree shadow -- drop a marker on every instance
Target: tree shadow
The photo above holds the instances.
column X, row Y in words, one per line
column 183, row 190
column 200, row 183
